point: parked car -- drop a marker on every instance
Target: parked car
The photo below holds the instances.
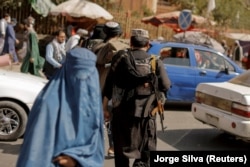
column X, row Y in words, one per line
column 188, row 65
column 17, row 94
column 225, row 105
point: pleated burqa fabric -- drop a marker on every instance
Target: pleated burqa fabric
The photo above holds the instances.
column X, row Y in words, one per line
column 67, row 117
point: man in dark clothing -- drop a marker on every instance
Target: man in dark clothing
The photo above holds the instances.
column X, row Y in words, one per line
column 133, row 126
column 108, row 48
column 97, row 37
column 104, row 51
column 238, row 53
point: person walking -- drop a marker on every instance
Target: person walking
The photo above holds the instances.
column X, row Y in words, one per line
column 55, row 54
column 3, row 25
column 65, row 125
column 238, row 53
column 133, row 94
column 32, row 62
column 225, row 47
column 105, row 51
column 11, row 41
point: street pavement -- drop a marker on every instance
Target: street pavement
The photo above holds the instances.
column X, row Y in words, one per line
column 183, row 133
column 9, row 151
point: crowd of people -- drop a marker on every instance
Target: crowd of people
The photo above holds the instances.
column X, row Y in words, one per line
column 94, row 80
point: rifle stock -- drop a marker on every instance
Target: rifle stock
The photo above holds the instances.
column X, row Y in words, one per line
column 160, row 109
column 161, row 113
column 160, row 97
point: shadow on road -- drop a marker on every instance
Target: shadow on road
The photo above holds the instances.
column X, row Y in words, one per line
column 201, row 139
column 8, row 148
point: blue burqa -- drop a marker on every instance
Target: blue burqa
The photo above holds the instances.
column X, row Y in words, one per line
column 67, row 117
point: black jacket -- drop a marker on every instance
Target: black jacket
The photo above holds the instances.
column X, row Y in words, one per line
column 123, row 75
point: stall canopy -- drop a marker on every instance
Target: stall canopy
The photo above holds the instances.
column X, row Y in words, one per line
column 238, row 36
column 170, row 19
column 243, row 38
column 80, row 8
column 82, row 12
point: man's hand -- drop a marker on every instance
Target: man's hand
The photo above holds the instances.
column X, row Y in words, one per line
column 106, row 115
column 65, row 161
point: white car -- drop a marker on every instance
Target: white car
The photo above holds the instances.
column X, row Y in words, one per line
column 17, row 94
column 225, row 105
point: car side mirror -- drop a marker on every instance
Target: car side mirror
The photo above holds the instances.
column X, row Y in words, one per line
column 225, row 70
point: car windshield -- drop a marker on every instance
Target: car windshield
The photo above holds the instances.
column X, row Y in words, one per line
column 243, row 79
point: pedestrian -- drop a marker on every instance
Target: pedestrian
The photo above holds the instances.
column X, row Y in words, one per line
column 11, row 41
column 225, row 47
column 66, row 121
column 230, row 51
column 238, row 53
column 105, row 51
column 133, row 98
column 32, row 62
column 55, row 54
column 97, row 37
column 70, row 29
column 74, row 39
column 3, row 25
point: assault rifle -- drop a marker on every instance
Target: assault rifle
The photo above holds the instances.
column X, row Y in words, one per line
column 160, row 97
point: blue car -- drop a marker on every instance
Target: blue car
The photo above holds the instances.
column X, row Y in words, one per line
column 188, row 65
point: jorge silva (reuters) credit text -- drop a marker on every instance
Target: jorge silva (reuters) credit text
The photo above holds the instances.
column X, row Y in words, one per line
column 199, row 159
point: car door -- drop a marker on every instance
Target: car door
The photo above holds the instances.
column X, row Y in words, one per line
column 178, row 67
column 211, row 67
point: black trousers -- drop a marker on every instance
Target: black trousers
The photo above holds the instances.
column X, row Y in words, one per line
column 133, row 137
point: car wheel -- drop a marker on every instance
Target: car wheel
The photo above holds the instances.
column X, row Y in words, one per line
column 13, row 120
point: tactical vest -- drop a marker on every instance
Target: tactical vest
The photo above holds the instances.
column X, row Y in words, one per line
column 142, row 67
column 145, row 67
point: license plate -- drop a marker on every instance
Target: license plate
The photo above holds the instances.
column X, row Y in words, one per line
column 212, row 119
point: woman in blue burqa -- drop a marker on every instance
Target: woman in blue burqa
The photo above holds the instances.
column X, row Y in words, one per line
column 66, row 121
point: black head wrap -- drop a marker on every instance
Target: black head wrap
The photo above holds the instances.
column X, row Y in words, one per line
column 98, row 32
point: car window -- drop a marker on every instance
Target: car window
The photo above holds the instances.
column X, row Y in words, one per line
column 243, row 79
column 175, row 56
column 210, row 60
column 229, row 65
